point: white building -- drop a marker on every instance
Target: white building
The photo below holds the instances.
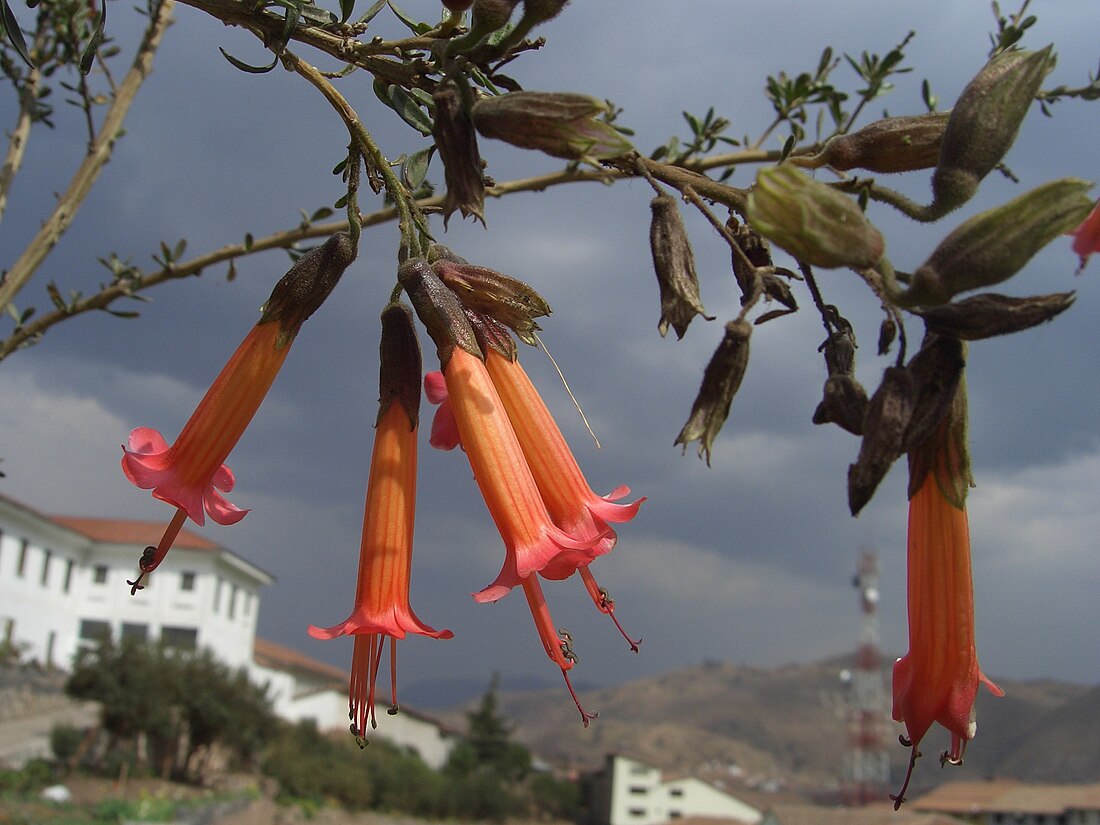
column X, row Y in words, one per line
column 63, row 585
column 627, row 792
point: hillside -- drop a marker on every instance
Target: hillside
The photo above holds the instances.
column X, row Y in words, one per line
column 786, row 725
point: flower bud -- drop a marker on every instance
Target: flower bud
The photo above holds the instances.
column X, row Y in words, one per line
column 438, row 309
column 306, row 285
column 558, row 123
column 674, row 264
column 893, row 144
column 539, row 11
column 888, row 415
column 507, row 300
column 400, row 365
column 844, row 403
column 813, row 222
column 491, row 335
column 984, row 123
column 989, row 314
column 490, row 15
column 721, row 381
column 993, row 246
column 456, row 141
column 756, row 255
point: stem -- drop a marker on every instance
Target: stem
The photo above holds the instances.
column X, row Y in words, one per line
column 98, row 154
column 410, row 243
column 17, row 143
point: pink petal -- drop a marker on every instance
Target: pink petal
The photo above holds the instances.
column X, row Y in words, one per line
column 444, row 435
column 146, row 441
column 220, row 508
column 435, row 387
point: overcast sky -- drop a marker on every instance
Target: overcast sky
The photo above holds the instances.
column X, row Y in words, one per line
column 748, row 561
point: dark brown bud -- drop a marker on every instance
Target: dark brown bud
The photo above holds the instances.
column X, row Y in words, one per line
column 945, row 453
column 937, row 370
column 844, row 404
column 674, row 264
column 456, row 141
column 508, row 300
column 989, row 314
column 306, row 285
column 561, row 124
column 721, row 381
column 840, row 353
column 539, row 11
column 984, row 123
column 887, row 332
column 438, row 309
column 893, row 144
column 884, row 426
column 490, row 15
column 757, row 252
column 400, row 366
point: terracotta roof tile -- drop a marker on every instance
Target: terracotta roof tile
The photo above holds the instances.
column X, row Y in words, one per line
column 279, row 657
column 1006, row 796
column 130, row 531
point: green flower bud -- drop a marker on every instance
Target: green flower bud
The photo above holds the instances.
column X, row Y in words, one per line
column 984, row 123
column 558, row 123
column 400, row 366
column 893, row 144
column 995, row 245
column 813, row 222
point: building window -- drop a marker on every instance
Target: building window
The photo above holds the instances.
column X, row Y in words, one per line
column 68, row 576
column 638, row 790
column 675, row 814
column 45, row 580
column 94, row 630
column 639, row 812
column 218, row 595
column 99, row 574
column 187, row 580
column 233, row 603
column 675, row 791
column 182, row 638
column 21, row 568
column 134, row 632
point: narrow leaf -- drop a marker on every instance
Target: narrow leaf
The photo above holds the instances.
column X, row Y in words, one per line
column 240, row 64
column 96, row 41
column 10, row 26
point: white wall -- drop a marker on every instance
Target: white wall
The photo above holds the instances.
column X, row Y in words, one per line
column 639, row 796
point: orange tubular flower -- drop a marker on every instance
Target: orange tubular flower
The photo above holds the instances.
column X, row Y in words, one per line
column 569, row 499
column 937, row 680
column 382, row 594
column 190, row 473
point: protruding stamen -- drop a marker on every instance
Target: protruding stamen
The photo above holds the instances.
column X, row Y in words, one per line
column 914, row 755
column 586, row 717
column 152, row 556
column 605, row 604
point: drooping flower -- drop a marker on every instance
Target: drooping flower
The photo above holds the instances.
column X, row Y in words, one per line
column 937, row 680
column 190, row 473
column 1086, row 237
column 382, row 608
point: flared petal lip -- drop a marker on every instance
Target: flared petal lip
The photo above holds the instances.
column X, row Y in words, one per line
column 395, row 623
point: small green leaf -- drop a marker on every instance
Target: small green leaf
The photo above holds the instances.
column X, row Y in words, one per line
column 248, row 240
column 231, row 275
column 121, row 313
column 406, row 106
column 346, row 8
column 415, row 167
column 320, row 214
column 10, row 26
column 341, row 202
column 95, row 42
column 177, row 253
column 372, row 12
column 414, row 25
column 788, row 146
column 240, row 64
column 55, row 295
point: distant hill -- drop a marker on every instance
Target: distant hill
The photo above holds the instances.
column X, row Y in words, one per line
column 786, row 725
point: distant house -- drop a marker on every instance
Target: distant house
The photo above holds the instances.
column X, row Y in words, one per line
column 1006, row 802
column 626, row 792
column 63, row 586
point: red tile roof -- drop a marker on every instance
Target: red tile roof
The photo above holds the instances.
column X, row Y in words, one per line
column 279, row 657
column 1007, row 796
column 129, row 531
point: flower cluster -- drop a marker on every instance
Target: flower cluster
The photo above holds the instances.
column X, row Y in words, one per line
column 552, row 523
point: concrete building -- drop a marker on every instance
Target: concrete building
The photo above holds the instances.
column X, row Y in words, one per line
column 1007, row 802
column 626, row 792
column 63, row 586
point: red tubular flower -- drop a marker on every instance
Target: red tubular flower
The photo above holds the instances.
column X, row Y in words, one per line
column 1086, row 237
column 190, row 473
column 937, row 680
column 385, row 555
